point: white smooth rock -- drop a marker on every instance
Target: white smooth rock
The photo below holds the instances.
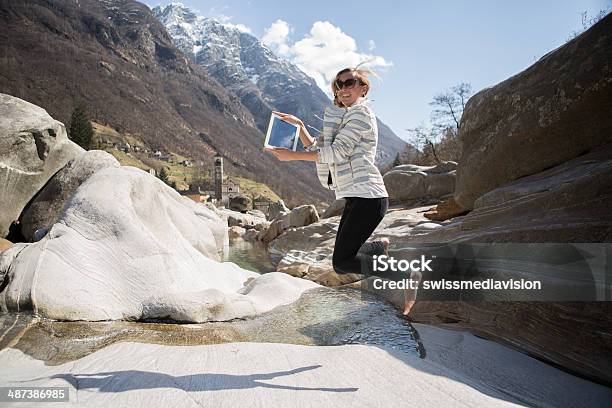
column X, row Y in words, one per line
column 128, row 247
column 130, row 374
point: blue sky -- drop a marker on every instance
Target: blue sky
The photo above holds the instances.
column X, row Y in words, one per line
column 418, row 48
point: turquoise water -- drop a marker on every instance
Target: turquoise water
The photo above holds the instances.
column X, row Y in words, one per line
column 251, row 256
column 324, row 316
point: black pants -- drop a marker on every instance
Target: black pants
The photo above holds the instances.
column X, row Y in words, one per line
column 361, row 216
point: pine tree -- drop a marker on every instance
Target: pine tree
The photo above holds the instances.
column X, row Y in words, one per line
column 81, row 131
column 163, row 175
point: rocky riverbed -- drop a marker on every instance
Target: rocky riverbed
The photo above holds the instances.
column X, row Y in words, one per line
column 334, row 346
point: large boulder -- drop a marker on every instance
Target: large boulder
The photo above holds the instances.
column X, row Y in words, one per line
column 245, row 220
column 411, row 183
column 127, row 246
column 275, row 229
column 302, row 215
column 552, row 112
column 297, row 217
column 33, row 146
column 568, row 203
column 47, row 205
column 240, row 203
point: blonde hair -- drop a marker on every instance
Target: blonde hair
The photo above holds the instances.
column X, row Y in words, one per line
column 360, row 73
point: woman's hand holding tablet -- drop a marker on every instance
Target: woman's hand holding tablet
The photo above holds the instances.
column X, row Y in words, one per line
column 283, row 131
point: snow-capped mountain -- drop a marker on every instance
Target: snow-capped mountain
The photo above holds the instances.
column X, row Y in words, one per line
column 249, row 69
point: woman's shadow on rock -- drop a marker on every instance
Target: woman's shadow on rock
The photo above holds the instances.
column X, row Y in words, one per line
column 119, row 381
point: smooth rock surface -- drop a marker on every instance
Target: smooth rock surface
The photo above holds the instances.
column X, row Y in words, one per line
column 459, row 370
column 566, row 203
column 564, row 333
column 49, row 202
column 552, row 112
column 509, row 372
column 244, row 220
column 130, row 247
column 410, row 182
column 33, row 146
column 240, row 203
column 297, row 217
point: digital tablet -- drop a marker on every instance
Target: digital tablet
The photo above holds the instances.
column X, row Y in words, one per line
column 282, row 134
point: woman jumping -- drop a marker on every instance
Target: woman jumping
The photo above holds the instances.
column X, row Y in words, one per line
column 344, row 157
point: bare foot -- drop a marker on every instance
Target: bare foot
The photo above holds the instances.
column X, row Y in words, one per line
column 410, row 293
column 407, row 303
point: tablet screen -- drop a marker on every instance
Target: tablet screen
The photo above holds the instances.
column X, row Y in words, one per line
column 281, row 133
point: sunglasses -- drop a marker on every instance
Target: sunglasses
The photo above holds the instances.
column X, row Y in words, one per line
column 349, row 83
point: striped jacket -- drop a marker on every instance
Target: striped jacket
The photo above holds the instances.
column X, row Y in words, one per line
column 346, row 150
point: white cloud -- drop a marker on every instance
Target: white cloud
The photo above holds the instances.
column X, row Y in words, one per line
column 371, row 45
column 324, row 51
column 276, row 37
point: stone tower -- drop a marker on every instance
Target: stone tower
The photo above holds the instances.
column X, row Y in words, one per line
column 218, row 175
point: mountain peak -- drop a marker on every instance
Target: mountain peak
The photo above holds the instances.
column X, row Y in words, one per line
column 176, row 13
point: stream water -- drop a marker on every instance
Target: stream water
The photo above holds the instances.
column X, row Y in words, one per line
column 321, row 316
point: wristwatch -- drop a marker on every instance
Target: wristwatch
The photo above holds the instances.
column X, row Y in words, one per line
column 313, row 147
